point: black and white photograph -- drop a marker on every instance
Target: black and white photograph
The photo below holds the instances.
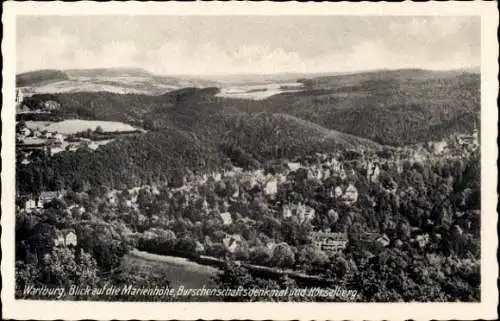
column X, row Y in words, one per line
column 250, row 158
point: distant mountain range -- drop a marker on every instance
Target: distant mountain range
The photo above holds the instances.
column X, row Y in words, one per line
column 117, row 80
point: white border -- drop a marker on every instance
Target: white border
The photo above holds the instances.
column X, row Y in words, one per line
column 45, row 310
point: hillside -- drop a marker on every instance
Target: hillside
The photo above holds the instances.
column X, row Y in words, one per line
column 113, row 80
column 188, row 129
column 167, row 152
column 267, row 136
column 108, row 72
column 130, row 161
column 40, row 77
column 390, row 107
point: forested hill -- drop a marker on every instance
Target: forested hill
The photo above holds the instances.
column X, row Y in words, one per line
column 390, row 107
column 40, row 77
column 332, row 113
column 131, row 161
column 178, row 144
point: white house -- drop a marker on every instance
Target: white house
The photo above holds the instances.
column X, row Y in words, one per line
column 217, row 176
column 287, row 211
column 30, row 204
column 226, row 218
column 271, row 187
column 46, row 197
column 293, row 166
column 66, row 238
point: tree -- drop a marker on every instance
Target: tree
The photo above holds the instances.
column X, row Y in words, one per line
column 311, row 257
column 234, row 276
column 260, row 255
column 61, row 267
column 283, row 256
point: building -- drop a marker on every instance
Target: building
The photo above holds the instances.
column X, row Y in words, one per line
column 438, row 148
column 51, row 105
column 271, row 187
column 236, row 193
column 58, row 137
column 232, row 242
column 292, row 166
column 383, row 240
column 287, row 211
column 216, row 176
column 337, row 192
column 470, row 141
column 66, row 238
column 329, row 242
column 30, row 204
column 25, row 131
column 47, row 197
column 248, row 181
column 226, row 218
column 76, row 208
column 200, row 248
column 301, row 211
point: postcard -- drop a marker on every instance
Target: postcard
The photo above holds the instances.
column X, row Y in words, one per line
column 242, row 160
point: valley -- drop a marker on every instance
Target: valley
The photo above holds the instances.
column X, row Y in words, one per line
column 349, row 177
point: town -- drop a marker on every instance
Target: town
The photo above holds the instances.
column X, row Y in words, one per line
column 34, row 135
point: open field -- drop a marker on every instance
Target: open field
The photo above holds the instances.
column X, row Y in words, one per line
column 179, row 271
column 73, row 126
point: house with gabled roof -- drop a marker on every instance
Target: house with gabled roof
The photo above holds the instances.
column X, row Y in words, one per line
column 232, row 242
column 66, row 237
column 47, row 197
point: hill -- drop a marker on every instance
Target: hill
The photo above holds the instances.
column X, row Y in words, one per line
column 40, row 77
column 108, row 72
column 114, row 80
column 130, row 161
column 390, row 107
column 187, row 129
column 395, row 107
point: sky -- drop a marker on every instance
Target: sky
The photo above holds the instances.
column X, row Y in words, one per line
column 218, row 45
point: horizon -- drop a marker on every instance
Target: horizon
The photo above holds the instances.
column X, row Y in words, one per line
column 473, row 69
column 204, row 45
